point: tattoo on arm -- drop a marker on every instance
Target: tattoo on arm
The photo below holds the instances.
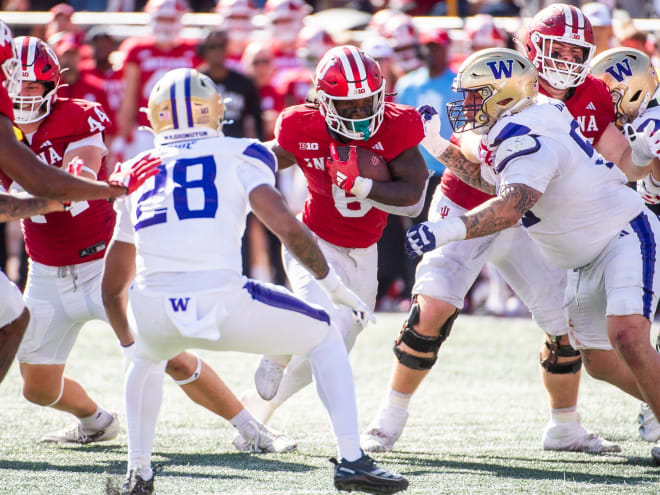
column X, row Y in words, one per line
column 467, row 171
column 12, row 208
column 307, row 251
column 502, row 212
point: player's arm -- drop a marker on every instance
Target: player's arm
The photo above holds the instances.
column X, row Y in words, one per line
column 118, row 274
column 128, row 108
column 87, row 158
column 22, row 166
column 14, row 208
column 409, row 179
column 284, row 158
column 615, row 148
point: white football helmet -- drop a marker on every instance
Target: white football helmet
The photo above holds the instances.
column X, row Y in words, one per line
column 165, row 18
column 286, row 18
column 183, row 99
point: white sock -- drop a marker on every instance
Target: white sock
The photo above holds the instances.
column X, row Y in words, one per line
column 397, row 401
column 565, row 415
column 242, row 423
column 334, row 383
column 100, row 419
column 143, row 392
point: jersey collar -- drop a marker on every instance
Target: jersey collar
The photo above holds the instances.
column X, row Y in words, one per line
column 176, row 135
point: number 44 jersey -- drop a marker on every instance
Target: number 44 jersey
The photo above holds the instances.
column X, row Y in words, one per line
column 332, row 214
column 191, row 215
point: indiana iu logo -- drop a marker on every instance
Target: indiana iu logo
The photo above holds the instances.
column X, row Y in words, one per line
column 444, row 211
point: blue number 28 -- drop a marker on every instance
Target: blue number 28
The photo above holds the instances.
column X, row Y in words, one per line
column 206, row 183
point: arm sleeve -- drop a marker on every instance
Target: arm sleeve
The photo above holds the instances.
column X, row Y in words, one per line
column 123, row 228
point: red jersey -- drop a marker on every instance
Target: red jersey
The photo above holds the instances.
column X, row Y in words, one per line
column 113, row 85
column 6, row 105
column 331, row 213
column 297, row 83
column 154, row 62
column 80, row 235
column 591, row 106
column 91, row 88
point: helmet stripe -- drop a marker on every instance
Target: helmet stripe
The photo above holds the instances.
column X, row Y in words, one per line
column 356, row 59
column 187, row 97
column 568, row 20
column 175, row 120
column 348, row 70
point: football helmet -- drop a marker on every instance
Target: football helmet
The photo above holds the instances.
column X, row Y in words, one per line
column 631, row 79
column 404, row 38
column 38, row 63
column 347, row 73
column 183, row 99
column 237, row 18
column 165, row 18
column 379, row 20
column 566, row 24
column 10, row 62
column 286, row 18
column 483, row 33
column 493, row 82
column 312, row 43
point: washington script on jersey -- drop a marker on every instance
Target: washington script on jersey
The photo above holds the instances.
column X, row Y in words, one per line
column 166, row 137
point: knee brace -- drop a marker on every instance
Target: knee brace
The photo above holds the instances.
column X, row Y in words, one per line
column 59, row 396
column 420, row 343
column 556, row 350
column 194, row 376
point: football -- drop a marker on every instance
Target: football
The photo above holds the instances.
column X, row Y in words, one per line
column 371, row 165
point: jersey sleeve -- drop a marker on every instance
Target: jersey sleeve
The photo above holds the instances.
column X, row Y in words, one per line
column 605, row 108
column 285, row 130
column 410, row 127
column 95, row 140
column 259, row 168
column 123, row 229
column 526, row 160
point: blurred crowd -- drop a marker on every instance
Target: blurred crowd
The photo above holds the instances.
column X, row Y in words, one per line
column 262, row 56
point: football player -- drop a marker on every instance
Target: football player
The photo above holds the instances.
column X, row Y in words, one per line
column 574, row 204
column 346, row 212
column 192, row 294
column 19, row 163
column 633, row 85
column 564, row 35
column 146, row 60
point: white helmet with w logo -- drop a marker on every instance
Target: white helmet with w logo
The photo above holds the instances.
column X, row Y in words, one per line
column 631, row 79
column 493, row 82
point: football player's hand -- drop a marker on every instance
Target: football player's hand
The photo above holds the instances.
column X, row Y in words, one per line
column 340, row 294
column 134, row 176
column 427, row 236
column 644, row 144
column 649, row 189
column 433, row 142
column 343, row 174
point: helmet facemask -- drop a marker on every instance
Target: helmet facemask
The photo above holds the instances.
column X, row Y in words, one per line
column 470, row 116
column 30, row 109
column 558, row 73
column 11, row 68
column 354, row 129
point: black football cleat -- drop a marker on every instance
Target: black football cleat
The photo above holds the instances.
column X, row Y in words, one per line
column 135, row 485
column 364, row 475
column 655, row 455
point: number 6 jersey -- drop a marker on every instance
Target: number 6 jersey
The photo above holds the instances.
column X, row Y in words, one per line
column 332, row 214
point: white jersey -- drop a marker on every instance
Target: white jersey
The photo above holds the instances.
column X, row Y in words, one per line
column 585, row 201
column 190, row 217
column 652, row 114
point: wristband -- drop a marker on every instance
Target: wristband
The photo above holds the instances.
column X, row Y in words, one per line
column 362, row 187
column 435, row 144
column 449, row 230
column 330, row 282
column 88, row 170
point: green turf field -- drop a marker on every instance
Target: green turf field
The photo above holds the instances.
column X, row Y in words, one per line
column 474, row 428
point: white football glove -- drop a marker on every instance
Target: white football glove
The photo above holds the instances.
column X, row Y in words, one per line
column 649, row 190
column 340, row 294
column 644, row 146
column 433, row 142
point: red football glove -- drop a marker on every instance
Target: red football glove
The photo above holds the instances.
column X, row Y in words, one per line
column 140, row 171
column 75, row 166
column 343, row 174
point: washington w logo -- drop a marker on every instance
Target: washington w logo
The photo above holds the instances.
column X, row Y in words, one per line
column 501, row 67
column 620, row 70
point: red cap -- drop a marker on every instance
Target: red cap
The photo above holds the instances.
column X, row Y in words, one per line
column 437, row 35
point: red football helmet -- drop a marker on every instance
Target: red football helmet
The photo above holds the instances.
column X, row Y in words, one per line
column 11, row 64
column 286, row 18
column 39, row 63
column 347, row 73
column 404, row 38
column 312, row 43
column 566, row 24
column 237, row 17
column 165, row 18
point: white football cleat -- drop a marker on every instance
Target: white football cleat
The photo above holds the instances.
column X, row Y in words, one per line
column 649, row 428
column 264, row 440
column 383, row 432
column 267, row 378
column 75, row 433
column 574, row 437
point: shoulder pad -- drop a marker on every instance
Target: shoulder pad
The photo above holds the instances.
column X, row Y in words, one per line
column 513, row 148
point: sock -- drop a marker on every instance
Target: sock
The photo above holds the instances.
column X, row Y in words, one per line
column 397, row 400
column 100, row 419
column 242, row 423
column 565, row 415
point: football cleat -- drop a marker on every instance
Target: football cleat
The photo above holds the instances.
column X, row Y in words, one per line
column 136, row 485
column 267, row 378
column 76, row 434
column 264, row 440
column 364, row 475
column 649, row 428
column 382, row 434
column 572, row 436
column 655, row 455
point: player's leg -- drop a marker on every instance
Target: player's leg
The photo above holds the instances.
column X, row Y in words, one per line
column 442, row 279
column 14, row 317
column 58, row 303
column 542, row 287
